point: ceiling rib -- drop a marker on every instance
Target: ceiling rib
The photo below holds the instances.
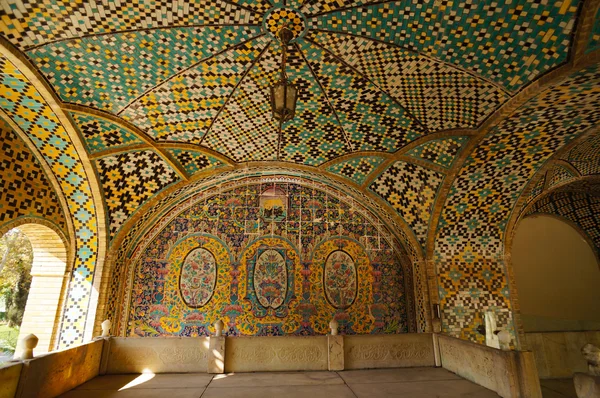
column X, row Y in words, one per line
column 348, row 142
column 136, row 30
column 412, row 50
column 234, row 89
column 185, row 70
column 361, row 5
column 397, row 102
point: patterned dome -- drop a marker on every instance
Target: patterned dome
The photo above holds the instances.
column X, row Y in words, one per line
column 373, row 76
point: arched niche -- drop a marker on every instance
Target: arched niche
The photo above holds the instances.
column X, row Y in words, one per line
column 48, row 284
column 557, row 276
column 237, row 204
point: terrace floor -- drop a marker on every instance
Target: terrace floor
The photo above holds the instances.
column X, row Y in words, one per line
column 407, row 382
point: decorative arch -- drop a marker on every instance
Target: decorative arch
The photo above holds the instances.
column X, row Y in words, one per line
column 50, row 277
column 31, row 107
column 170, row 220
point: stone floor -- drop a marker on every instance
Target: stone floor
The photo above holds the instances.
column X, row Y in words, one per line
column 411, row 382
column 558, row 388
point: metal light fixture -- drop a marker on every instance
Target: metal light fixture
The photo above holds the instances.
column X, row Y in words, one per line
column 284, row 93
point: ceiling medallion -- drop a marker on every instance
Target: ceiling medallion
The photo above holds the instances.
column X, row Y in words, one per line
column 278, row 18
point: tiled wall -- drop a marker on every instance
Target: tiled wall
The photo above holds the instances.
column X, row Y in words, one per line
column 270, row 259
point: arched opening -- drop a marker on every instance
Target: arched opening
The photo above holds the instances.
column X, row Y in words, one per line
column 48, row 276
column 557, row 276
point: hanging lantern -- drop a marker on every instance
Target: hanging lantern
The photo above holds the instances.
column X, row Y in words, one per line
column 284, row 94
column 283, row 100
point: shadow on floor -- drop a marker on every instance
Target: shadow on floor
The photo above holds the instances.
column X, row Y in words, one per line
column 558, row 388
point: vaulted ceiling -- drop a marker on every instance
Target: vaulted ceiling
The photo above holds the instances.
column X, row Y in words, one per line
column 390, row 92
column 373, row 76
column 442, row 114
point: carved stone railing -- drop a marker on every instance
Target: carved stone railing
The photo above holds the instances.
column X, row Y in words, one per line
column 512, row 374
column 509, row 373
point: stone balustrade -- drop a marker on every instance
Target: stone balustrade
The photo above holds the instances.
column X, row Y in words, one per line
column 509, row 373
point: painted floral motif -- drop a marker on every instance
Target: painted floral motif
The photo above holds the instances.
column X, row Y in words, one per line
column 231, row 226
column 270, row 279
column 340, row 279
column 198, row 277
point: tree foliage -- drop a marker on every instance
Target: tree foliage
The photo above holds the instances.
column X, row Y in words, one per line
column 16, row 257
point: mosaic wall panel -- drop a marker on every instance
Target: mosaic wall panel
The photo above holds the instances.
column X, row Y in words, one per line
column 245, row 129
column 194, row 162
column 508, row 43
column 441, row 152
column 33, row 22
column 579, row 208
column 144, row 229
column 440, row 96
column 118, row 68
column 315, row 135
column 558, row 175
column 594, row 39
column 24, row 188
column 183, row 108
column 585, row 156
column 469, row 246
column 100, row 134
column 372, row 120
column 356, row 169
column 272, row 246
column 26, row 107
column 411, row 190
column 130, row 179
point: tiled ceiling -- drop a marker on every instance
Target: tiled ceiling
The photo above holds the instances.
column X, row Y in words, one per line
column 373, row 76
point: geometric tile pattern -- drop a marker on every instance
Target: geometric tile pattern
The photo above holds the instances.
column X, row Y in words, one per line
column 27, row 108
column 245, row 130
column 441, row 151
column 469, row 242
column 537, row 189
column 411, row 190
column 314, row 136
column 182, row 109
column 130, row 179
column 510, row 43
column 372, row 120
column 118, row 68
column 24, row 189
column 558, row 175
column 440, row 96
column 194, row 161
column 579, row 208
column 100, row 134
column 356, row 169
column 34, row 22
column 586, row 156
column 372, row 75
column 594, row 39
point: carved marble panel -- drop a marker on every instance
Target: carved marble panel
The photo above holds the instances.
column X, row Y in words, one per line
column 391, row 351
column 285, row 353
column 159, row 355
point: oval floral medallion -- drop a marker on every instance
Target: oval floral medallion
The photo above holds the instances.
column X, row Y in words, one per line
column 339, row 279
column 198, row 277
column 270, row 279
